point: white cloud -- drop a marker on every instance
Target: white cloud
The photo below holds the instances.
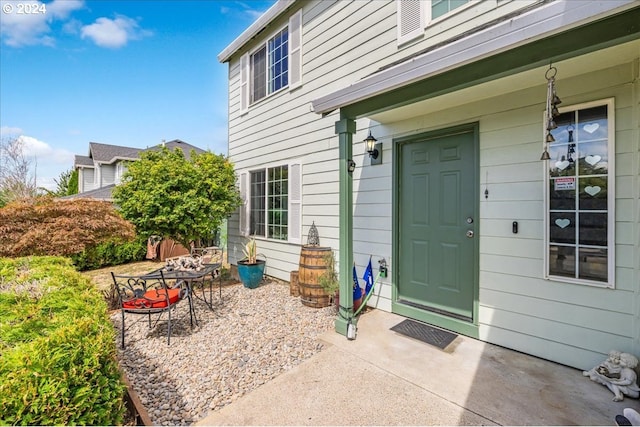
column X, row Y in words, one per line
column 8, row 131
column 113, row 33
column 44, row 152
column 242, row 10
column 24, row 29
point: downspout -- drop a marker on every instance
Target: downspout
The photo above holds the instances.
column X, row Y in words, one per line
column 345, row 128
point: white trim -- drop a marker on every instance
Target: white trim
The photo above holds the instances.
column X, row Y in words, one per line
column 244, row 84
column 295, row 50
column 294, row 210
column 539, row 23
column 244, row 207
column 401, row 10
column 611, row 199
column 260, row 24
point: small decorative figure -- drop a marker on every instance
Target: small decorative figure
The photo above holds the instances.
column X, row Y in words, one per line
column 618, row 374
column 609, row 368
column 313, row 239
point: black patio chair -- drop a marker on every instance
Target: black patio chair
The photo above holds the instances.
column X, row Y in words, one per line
column 148, row 296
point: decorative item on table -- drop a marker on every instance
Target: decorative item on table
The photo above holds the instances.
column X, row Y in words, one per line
column 251, row 269
column 184, row 263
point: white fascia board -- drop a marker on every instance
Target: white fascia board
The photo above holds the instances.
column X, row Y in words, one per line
column 271, row 14
column 548, row 19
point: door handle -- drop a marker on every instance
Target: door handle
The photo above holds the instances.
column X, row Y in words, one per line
column 469, row 233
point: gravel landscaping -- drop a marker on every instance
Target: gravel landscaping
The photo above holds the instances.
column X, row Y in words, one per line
column 250, row 337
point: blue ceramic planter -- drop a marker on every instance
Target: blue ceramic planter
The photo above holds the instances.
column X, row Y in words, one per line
column 251, row 274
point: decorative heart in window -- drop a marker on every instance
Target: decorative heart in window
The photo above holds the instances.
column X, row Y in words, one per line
column 591, row 127
column 592, row 160
column 562, row 164
column 562, row 222
column 592, row 190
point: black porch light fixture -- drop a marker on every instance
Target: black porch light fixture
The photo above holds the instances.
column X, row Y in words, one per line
column 374, row 148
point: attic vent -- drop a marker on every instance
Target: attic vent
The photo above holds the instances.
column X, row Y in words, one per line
column 411, row 19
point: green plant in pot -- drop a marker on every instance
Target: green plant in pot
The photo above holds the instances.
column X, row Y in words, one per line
column 251, row 269
column 329, row 278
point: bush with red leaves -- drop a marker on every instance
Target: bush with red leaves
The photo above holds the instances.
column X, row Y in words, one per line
column 45, row 226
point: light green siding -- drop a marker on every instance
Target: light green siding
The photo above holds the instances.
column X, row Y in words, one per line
column 569, row 323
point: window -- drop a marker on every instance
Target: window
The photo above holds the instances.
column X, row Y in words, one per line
column 442, row 7
column 270, row 66
column 272, row 203
column 580, row 195
column 274, row 65
column 414, row 15
column 257, row 203
column 120, row 170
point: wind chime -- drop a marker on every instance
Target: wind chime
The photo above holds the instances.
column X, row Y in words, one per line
column 551, row 112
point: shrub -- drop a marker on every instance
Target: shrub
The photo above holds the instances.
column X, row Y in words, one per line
column 110, row 253
column 64, row 227
column 57, row 357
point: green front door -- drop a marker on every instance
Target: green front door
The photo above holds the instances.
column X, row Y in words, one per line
column 437, row 225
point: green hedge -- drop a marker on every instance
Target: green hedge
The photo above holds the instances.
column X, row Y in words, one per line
column 110, row 253
column 57, row 350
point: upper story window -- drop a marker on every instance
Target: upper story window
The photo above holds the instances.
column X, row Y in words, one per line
column 274, row 65
column 414, row 15
column 580, row 197
column 270, row 66
column 442, row 7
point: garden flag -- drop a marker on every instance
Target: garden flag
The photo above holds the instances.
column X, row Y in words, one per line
column 355, row 277
column 368, row 278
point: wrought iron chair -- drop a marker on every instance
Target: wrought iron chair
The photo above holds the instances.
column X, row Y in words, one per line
column 148, row 296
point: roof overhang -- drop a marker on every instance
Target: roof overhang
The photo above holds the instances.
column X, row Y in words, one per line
column 493, row 52
column 260, row 24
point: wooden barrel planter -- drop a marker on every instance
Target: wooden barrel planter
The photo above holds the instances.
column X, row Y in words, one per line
column 294, row 289
column 312, row 266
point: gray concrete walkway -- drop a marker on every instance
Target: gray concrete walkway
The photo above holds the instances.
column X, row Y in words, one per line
column 383, row 378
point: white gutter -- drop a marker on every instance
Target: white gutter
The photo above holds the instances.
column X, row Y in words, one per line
column 260, row 24
column 536, row 24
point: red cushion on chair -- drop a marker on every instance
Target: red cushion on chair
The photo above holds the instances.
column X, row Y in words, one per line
column 153, row 299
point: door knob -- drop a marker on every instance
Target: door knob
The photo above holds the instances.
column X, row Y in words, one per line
column 469, row 233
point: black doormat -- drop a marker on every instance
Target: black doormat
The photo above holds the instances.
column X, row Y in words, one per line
column 420, row 331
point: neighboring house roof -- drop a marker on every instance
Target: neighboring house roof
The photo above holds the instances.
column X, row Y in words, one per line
column 84, row 161
column 270, row 15
column 103, row 193
column 107, row 153
column 176, row 143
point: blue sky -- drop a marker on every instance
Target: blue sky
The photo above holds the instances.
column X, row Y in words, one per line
column 123, row 72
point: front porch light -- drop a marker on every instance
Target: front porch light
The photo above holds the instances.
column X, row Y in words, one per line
column 374, row 148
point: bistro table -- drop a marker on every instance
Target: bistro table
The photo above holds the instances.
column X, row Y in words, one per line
column 191, row 276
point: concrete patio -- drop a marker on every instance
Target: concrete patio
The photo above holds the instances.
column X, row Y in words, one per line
column 383, row 378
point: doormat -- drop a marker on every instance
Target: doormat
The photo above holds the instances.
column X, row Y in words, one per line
column 425, row 333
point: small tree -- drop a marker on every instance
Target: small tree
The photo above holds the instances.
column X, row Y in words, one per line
column 17, row 180
column 66, row 184
column 167, row 195
column 43, row 226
